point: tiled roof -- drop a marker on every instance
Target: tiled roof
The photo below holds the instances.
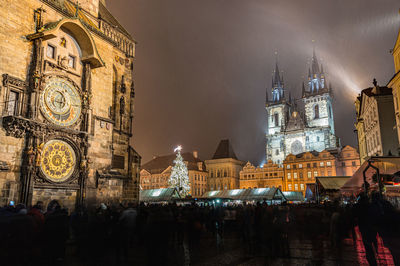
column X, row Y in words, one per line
column 380, row 91
column 224, row 150
column 160, row 163
column 108, row 17
column 295, row 122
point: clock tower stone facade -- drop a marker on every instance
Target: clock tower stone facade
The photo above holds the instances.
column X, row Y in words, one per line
column 67, row 97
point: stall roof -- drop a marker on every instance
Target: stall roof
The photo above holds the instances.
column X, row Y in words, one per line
column 158, row 195
column 387, row 165
column 246, row 194
column 332, row 182
column 293, row 196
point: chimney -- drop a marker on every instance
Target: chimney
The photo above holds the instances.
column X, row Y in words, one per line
column 195, row 154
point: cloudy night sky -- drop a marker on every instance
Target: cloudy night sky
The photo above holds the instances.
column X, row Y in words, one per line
column 202, row 67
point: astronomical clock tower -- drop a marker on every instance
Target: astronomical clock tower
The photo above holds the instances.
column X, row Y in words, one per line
column 67, row 107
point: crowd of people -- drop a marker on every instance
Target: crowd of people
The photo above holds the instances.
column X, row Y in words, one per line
column 174, row 234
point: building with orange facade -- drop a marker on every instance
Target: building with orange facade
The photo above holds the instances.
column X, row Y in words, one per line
column 303, row 168
column 269, row 175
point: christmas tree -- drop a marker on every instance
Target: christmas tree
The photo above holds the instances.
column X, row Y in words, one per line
column 179, row 178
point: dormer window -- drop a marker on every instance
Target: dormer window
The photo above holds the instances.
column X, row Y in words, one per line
column 51, row 51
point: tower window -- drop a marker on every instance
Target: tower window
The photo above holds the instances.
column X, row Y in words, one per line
column 51, row 51
column 12, row 103
column 277, row 152
column 276, row 118
column 330, row 111
column 316, row 111
column 71, row 61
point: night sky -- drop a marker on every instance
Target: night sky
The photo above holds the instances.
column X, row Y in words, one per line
column 202, row 66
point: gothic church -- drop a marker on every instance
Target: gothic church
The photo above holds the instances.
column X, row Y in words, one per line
column 290, row 131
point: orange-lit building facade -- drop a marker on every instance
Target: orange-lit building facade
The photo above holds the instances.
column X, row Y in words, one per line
column 303, row 168
column 270, row 175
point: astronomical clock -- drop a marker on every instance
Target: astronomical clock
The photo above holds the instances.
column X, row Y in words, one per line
column 60, row 102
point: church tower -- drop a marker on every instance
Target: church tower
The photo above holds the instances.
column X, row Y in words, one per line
column 277, row 117
column 317, row 98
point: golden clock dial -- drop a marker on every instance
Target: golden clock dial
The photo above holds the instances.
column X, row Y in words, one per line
column 60, row 102
column 58, row 160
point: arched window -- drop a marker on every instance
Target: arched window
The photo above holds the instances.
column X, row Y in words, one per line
column 330, row 111
column 276, row 118
column 316, row 111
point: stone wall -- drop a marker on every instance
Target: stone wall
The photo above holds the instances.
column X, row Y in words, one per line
column 108, row 133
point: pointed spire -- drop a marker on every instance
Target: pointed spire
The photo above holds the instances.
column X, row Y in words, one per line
column 314, row 64
column 266, row 95
column 303, row 90
column 322, row 69
column 277, row 79
column 309, row 73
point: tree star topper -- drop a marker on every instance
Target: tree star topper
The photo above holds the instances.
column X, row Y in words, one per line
column 179, row 148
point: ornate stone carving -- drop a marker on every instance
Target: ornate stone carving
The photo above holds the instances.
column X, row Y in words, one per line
column 16, row 82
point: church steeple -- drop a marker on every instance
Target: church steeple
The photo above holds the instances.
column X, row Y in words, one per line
column 316, row 76
column 277, row 85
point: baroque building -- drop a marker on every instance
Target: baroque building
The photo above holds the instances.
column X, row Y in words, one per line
column 269, row 175
column 291, row 132
column 224, row 168
column 67, row 96
column 156, row 173
column 376, row 122
column 394, row 83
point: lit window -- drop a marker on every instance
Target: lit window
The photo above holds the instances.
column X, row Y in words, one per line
column 300, row 165
column 328, row 163
column 296, row 187
column 315, row 173
column 289, row 176
column 309, row 174
column 295, row 175
column 321, row 164
column 289, row 186
column 51, row 51
column 301, row 186
column 71, row 61
column 288, row 166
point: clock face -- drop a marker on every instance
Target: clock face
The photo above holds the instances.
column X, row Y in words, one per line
column 58, row 160
column 60, row 102
column 296, row 147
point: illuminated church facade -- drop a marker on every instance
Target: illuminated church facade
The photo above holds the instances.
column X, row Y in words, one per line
column 290, row 131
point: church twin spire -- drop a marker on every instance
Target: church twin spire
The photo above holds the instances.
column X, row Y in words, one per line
column 316, row 77
column 277, row 86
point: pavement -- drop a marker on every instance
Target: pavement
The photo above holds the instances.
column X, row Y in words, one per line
column 212, row 251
